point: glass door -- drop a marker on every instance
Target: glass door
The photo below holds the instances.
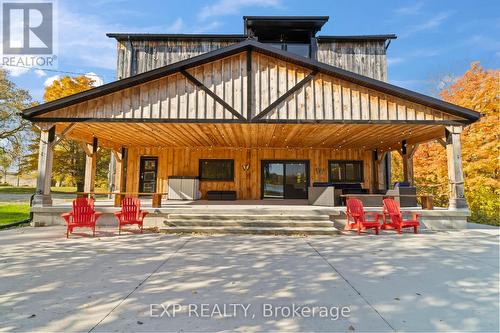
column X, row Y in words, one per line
column 147, row 176
column 273, row 180
column 295, row 180
column 285, row 179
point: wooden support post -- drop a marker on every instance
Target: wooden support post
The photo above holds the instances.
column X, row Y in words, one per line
column 375, row 174
column 455, row 171
column 111, row 174
column 45, row 157
column 381, row 171
column 90, row 167
column 407, row 152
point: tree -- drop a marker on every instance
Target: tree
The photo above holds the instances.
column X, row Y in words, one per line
column 477, row 89
column 69, row 157
column 5, row 163
column 12, row 101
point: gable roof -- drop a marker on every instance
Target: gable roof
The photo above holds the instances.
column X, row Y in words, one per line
column 253, row 45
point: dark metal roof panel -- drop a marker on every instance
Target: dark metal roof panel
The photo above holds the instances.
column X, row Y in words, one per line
column 356, row 38
column 251, row 44
column 139, row 36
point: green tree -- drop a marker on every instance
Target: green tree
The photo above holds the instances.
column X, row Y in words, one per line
column 12, row 127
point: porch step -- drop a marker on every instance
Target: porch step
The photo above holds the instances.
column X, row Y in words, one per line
column 247, row 217
column 247, row 223
column 254, row 230
column 271, row 224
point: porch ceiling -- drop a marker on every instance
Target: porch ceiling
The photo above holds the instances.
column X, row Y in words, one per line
column 238, row 135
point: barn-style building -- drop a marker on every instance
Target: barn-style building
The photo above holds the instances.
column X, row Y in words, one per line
column 277, row 116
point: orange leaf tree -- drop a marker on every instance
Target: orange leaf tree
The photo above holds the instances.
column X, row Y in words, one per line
column 477, row 89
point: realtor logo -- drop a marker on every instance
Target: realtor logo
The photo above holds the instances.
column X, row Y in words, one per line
column 27, row 28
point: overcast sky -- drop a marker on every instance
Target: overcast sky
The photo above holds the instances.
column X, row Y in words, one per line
column 437, row 40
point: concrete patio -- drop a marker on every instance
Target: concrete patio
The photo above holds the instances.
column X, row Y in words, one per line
column 433, row 281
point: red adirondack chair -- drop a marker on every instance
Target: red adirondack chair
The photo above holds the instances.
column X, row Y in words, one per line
column 131, row 213
column 356, row 212
column 83, row 215
column 397, row 222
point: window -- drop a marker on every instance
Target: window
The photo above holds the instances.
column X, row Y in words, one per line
column 217, row 170
column 303, row 50
column 346, row 171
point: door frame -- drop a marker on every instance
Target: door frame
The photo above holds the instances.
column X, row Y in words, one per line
column 263, row 162
column 141, row 170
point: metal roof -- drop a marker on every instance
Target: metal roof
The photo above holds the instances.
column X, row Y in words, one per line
column 140, row 36
column 253, row 45
column 356, row 38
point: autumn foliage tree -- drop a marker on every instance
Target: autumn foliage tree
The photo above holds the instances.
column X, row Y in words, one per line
column 477, row 89
column 69, row 157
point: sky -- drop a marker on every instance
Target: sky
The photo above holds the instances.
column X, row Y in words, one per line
column 437, row 40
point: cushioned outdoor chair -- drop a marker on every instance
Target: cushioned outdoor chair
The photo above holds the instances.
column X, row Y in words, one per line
column 83, row 215
column 130, row 213
column 356, row 212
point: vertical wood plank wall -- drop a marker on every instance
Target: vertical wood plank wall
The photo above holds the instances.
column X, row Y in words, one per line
column 363, row 57
column 148, row 55
column 367, row 58
column 184, row 162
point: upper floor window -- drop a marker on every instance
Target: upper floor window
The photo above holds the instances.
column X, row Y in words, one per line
column 301, row 49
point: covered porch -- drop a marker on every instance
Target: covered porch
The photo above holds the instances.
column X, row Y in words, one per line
column 254, row 121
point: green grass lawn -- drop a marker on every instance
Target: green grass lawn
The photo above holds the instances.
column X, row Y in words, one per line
column 31, row 190
column 13, row 212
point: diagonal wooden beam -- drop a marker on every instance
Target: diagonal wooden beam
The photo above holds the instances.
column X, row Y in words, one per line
column 212, row 94
column 283, row 97
column 63, row 134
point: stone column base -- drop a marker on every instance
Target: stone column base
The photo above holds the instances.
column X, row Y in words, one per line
column 457, row 203
column 42, row 200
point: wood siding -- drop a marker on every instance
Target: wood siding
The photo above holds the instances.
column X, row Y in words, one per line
column 325, row 98
column 184, row 162
column 367, row 58
column 135, row 57
column 363, row 57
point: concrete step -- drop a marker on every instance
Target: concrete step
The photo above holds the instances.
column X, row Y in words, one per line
column 247, row 223
column 247, row 217
column 254, row 230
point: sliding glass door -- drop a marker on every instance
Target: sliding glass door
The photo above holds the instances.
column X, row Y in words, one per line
column 285, row 179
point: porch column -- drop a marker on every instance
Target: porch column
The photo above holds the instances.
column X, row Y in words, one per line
column 455, row 171
column 381, row 171
column 407, row 153
column 374, row 171
column 45, row 156
column 111, row 174
column 90, row 166
column 120, row 165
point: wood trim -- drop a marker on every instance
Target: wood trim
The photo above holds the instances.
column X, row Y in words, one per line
column 283, row 97
column 270, row 121
column 249, row 85
column 209, row 92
